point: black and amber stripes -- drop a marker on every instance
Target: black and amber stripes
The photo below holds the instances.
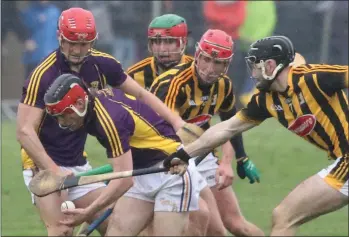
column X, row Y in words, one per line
column 35, row 78
column 109, row 128
column 139, row 66
column 331, row 112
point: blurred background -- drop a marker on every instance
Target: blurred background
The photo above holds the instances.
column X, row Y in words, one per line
column 318, row 29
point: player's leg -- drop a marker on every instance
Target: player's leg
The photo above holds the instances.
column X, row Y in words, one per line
column 231, row 215
column 201, row 217
column 177, row 197
column 322, row 193
column 134, row 211
column 130, row 216
column 207, row 169
column 86, row 199
column 215, row 224
column 83, row 196
column 49, row 208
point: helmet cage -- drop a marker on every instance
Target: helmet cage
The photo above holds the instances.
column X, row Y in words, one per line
column 215, row 58
column 180, row 43
column 66, row 104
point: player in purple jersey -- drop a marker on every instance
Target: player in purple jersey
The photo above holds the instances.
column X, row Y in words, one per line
column 134, row 136
column 44, row 144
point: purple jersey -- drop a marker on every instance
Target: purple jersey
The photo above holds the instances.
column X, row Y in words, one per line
column 64, row 146
column 120, row 123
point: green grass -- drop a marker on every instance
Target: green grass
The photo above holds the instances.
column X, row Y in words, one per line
column 283, row 159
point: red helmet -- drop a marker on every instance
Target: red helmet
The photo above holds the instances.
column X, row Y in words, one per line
column 77, row 25
column 62, row 95
column 216, row 44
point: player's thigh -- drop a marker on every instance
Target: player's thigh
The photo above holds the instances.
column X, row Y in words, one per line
column 227, row 203
column 49, row 208
column 310, row 199
column 87, row 198
column 170, row 223
column 130, row 215
column 215, row 226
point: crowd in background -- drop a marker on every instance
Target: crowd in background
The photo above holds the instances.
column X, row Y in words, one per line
column 122, row 27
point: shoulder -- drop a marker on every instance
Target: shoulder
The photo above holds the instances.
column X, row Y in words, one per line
column 139, row 65
column 104, row 58
column 187, row 58
column 46, row 70
column 182, row 72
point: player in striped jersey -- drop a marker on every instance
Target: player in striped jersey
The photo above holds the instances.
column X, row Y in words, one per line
column 48, row 146
column 310, row 100
column 167, row 40
column 135, row 137
column 197, row 91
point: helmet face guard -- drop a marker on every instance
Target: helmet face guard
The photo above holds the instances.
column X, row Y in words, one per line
column 66, row 104
column 167, row 50
column 213, row 55
column 278, row 48
column 209, row 66
column 167, row 39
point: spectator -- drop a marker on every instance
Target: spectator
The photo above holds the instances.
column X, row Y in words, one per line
column 40, row 19
column 11, row 21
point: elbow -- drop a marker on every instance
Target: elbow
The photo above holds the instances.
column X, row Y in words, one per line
column 21, row 132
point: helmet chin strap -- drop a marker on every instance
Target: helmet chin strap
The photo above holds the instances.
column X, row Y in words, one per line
column 265, row 84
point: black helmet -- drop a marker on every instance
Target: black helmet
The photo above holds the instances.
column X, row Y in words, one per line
column 63, row 93
column 279, row 48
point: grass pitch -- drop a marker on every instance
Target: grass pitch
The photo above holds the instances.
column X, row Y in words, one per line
column 283, row 159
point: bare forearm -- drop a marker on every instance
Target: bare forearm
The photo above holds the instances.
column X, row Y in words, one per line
column 212, row 138
column 29, row 140
column 228, row 153
column 114, row 190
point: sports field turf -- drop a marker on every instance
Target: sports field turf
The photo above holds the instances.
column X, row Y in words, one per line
column 283, row 159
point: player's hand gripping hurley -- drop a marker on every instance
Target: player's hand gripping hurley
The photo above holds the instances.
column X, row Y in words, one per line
column 46, row 182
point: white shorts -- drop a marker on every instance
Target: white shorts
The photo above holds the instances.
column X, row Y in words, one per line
column 170, row 193
column 336, row 175
column 73, row 193
column 207, row 168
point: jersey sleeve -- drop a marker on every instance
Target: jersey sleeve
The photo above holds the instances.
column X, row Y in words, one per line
column 254, row 112
column 36, row 84
column 169, row 92
column 331, row 78
column 229, row 97
column 114, row 73
column 114, row 129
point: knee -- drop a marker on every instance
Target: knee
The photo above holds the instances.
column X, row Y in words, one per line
column 58, row 230
column 236, row 225
column 280, row 217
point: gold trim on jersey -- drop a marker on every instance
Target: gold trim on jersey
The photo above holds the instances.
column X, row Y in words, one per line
column 109, row 128
column 221, row 91
column 35, row 79
column 145, row 135
column 176, row 83
column 138, row 65
column 153, row 68
column 97, row 53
